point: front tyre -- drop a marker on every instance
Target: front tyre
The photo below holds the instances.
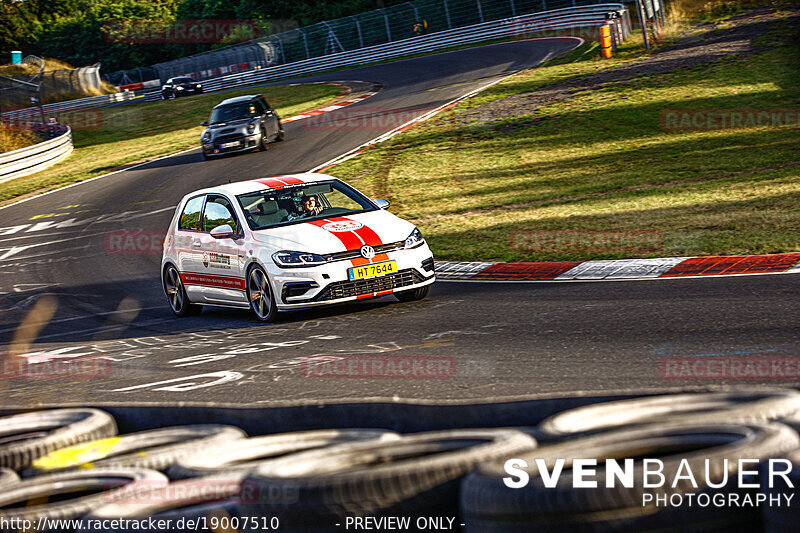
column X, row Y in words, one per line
column 263, row 142
column 176, row 294
column 259, row 294
column 413, row 295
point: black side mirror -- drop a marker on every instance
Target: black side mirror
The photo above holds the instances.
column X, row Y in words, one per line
column 204, row 123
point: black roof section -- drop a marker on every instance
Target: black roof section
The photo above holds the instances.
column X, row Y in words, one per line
column 238, row 99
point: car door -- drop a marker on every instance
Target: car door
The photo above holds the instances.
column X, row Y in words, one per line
column 221, row 260
column 270, row 119
column 187, row 247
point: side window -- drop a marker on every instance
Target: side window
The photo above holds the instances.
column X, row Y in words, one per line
column 190, row 218
column 260, row 106
column 217, row 213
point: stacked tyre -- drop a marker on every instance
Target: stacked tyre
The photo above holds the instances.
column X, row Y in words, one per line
column 73, row 464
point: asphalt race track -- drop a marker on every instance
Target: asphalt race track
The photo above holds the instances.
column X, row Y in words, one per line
column 470, row 340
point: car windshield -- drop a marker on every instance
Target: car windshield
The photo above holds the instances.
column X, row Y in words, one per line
column 227, row 113
column 293, row 205
column 182, row 80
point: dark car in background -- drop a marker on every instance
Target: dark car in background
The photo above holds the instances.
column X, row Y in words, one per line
column 180, row 86
column 240, row 124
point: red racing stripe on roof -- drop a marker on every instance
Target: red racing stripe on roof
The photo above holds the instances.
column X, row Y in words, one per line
column 278, row 181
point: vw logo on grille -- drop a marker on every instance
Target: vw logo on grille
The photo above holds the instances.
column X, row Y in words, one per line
column 367, row 251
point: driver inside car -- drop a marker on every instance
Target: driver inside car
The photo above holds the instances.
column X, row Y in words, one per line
column 308, row 208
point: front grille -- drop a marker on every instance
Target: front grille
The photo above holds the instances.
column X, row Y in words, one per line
column 345, row 289
column 229, row 130
column 352, row 254
column 228, row 139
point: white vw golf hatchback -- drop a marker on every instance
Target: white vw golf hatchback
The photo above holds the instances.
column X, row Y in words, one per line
column 289, row 242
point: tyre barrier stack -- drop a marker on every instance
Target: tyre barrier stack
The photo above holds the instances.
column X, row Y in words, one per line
column 72, row 466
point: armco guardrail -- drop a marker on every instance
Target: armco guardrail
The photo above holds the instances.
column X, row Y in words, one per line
column 574, row 18
column 37, row 157
column 23, row 115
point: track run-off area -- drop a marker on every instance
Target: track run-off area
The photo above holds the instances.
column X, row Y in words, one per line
column 467, row 341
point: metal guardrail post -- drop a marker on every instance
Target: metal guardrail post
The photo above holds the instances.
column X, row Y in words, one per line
column 386, row 22
column 305, row 42
column 416, row 13
column 513, row 9
column 643, row 24
column 447, row 16
column 480, row 10
column 358, row 28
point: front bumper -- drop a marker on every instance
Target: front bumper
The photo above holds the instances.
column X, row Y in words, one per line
column 328, row 284
column 246, row 142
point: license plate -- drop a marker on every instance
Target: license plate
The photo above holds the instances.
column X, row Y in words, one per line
column 230, row 145
column 372, row 271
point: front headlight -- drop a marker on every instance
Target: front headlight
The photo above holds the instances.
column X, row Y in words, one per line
column 251, row 128
column 178, row 88
column 415, row 239
column 206, row 137
column 286, row 259
column 198, row 86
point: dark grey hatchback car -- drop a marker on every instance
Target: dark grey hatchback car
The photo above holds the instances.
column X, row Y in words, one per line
column 240, row 124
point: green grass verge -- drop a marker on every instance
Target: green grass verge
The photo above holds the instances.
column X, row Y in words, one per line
column 597, row 176
column 111, row 138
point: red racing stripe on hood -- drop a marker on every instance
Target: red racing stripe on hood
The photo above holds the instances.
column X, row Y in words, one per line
column 353, row 240
column 349, row 239
column 366, row 234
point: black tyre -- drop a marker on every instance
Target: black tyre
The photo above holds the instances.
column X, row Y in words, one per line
column 245, row 455
column 488, row 505
column 29, row 436
column 414, row 475
column 206, row 157
column 176, row 294
column 263, row 142
column 281, row 134
column 786, row 517
column 259, row 294
column 72, row 494
column 752, row 405
column 156, row 449
column 413, row 295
